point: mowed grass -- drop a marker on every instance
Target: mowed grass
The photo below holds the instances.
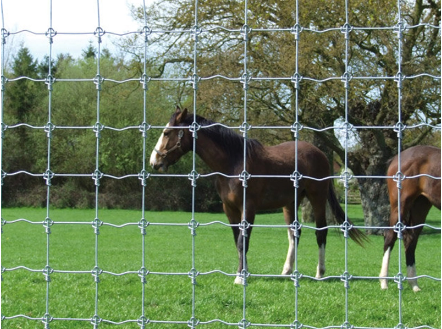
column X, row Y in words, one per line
column 168, row 249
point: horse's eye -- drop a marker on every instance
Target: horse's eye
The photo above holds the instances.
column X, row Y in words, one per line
column 166, row 133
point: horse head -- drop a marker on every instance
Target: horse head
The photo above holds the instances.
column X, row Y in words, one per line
column 174, row 142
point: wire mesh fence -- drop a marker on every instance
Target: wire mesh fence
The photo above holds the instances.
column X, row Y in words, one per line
column 243, row 80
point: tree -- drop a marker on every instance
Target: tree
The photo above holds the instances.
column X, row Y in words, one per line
column 373, row 104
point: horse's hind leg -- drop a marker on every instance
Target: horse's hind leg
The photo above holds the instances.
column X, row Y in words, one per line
column 289, row 212
column 418, row 213
column 318, row 200
column 390, row 238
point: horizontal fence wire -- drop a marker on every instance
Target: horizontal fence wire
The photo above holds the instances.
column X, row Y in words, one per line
column 243, row 80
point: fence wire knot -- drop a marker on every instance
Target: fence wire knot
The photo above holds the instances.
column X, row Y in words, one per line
column 346, row 29
column 346, row 177
column 96, row 176
column 296, row 80
column 193, row 273
column 97, row 128
column 4, row 174
column 143, row 224
column 193, row 225
column 47, row 271
column 295, row 227
column 296, row 325
column 243, row 227
column 98, row 80
column 5, row 34
column 244, row 177
column 96, row 224
column 143, row 176
column 399, row 278
column 193, row 128
column 346, row 277
column 142, row 273
column 193, row 176
column 99, row 32
column 400, row 28
column 46, row 319
column 47, row 223
column 245, row 80
column 245, row 30
column 399, row 128
column 296, row 128
column 144, row 80
column 96, row 320
column 194, row 80
column 296, row 277
column 196, row 31
column 193, row 322
column 49, row 128
column 50, row 80
column 347, row 325
column 244, row 324
column 4, row 81
column 296, row 177
column 399, row 78
column 400, row 326
column 346, row 227
column 143, row 128
column 51, row 33
column 47, row 176
column 346, row 78
column 296, row 30
column 146, row 31
column 96, row 272
column 142, row 321
column 398, row 178
column 398, row 228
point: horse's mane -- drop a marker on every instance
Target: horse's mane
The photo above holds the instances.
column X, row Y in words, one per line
column 226, row 139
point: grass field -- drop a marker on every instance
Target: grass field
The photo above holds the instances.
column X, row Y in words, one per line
column 268, row 300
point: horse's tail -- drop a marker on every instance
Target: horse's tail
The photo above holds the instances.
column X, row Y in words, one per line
column 356, row 235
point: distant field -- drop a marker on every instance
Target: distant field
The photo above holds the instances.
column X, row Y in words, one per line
column 168, row 249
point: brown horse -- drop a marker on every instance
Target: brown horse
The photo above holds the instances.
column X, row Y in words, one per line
column 417, row 195
column 223, row 151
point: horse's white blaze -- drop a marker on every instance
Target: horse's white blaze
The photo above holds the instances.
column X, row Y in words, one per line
column 288, row 265
column 154, row 154
column 411, row 273
column 384, row 269
column 321, row 262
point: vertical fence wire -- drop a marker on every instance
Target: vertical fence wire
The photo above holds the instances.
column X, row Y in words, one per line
column 47, row 223
column 399, row 95
column 244, row 80
column 193, row 175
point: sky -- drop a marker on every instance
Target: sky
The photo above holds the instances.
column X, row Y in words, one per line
column 75, row 16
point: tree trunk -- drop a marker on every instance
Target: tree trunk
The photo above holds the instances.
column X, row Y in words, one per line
column 309, row 217
column 375, row 203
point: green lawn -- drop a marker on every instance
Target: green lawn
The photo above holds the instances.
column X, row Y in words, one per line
column 168, row 249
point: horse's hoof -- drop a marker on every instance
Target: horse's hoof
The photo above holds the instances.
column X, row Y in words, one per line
column 287, row 271
column 384, row 284
column 416, row 289
column 238, row 280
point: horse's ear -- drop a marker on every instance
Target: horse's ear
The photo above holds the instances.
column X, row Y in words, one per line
column 181, row 115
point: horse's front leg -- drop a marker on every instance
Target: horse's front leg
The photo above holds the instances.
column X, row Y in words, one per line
column 288, row 218
column 241, row 235
column 243, row 239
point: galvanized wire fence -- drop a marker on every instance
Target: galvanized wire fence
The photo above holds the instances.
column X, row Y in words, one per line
column 145, row 174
